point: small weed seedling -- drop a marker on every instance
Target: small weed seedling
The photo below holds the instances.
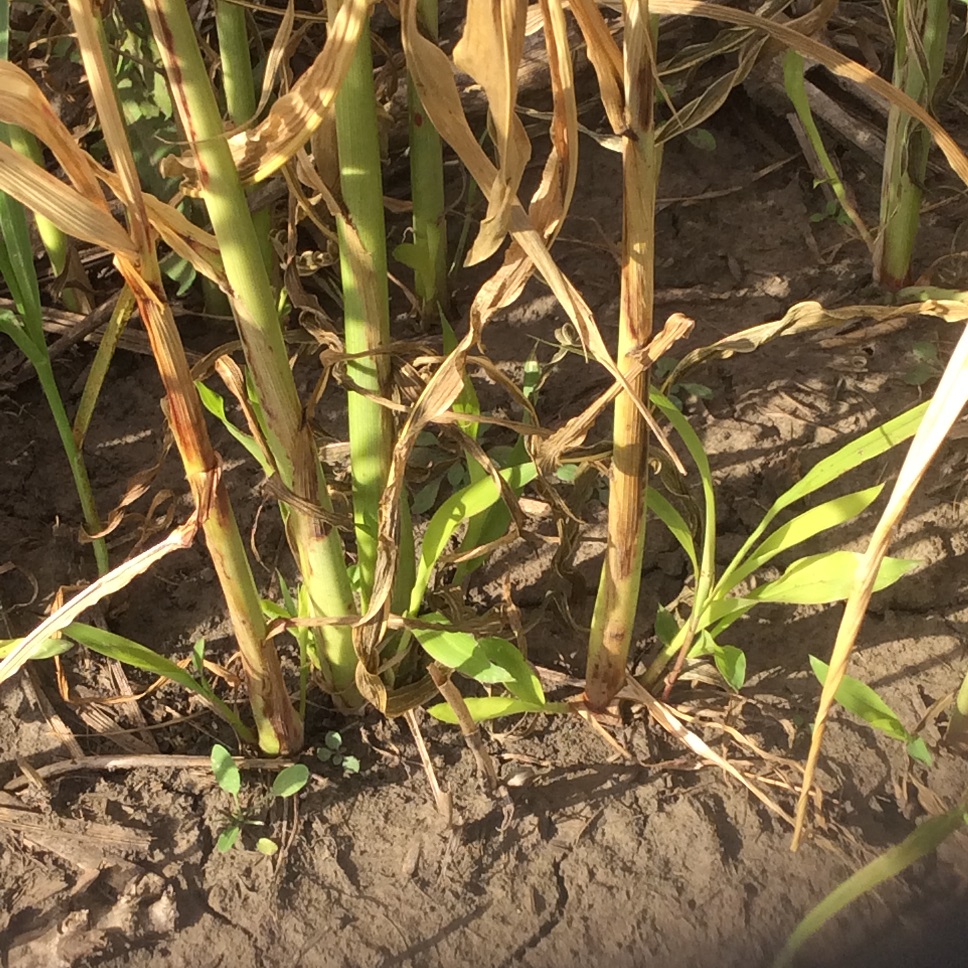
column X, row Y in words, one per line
column 287, row 784
column 332, row 752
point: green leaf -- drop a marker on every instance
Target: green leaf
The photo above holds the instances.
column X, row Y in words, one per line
column 705, row 573
column 228, row 838
column 567, row 472
column 266, row 846
column 226, row 772
column 215, row 405
column 483, row 708
column 701, row 138
column 699, row 390
column 854, row 453
column 858, row 698
column 290, row 780
column 133, row 654
column 892, row 862
column 666, row 626
column 333, row 740
column 198, row 657
column 456, row 475
column 663, row 509
column 140, row 657
column 426, row 497
column 490, row 659
column 351, row 764
column 731, row 663
column 523, row 684
column 800, row 529
column 45, row 649
column 824, row 578
column 918, row 750
column 466, row 503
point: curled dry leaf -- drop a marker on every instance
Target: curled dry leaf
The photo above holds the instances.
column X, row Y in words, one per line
column 490, row 51
column 294, row 117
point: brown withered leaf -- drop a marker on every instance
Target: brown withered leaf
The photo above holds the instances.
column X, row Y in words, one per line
column 552, row 198
column 292, row 119
column 605, row 57
column 490, row 51
column 72, row 212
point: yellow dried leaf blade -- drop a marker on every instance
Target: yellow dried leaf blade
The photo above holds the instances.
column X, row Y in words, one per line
column 490, row 51
column 295, row 116
column 605, row 57
column 22, row 103
column 946, row 406
column 71, row 212
column 833, row 60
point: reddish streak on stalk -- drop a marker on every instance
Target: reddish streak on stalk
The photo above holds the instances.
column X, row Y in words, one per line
column 618, row 592
column 260, row 661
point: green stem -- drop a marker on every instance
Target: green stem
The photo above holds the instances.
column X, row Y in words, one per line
column 921, row 35
column 239, row 87
column 317, row 547
column 427, row 180
column 366, row 301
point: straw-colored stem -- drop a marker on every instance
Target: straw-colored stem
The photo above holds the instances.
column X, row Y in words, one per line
column 921, row 35
column 427, row 181
column 618, row 591
column 279, row 729
column 317, row 546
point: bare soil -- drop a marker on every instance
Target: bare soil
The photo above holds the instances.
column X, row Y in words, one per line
column 652, row 861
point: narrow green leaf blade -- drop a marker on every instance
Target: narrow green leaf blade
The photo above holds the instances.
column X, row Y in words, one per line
column 824, row 578
column 461, row 506
column 892, row 862
column 483, row 708
column 663, row 509
column 858, row 698
column 803, row 527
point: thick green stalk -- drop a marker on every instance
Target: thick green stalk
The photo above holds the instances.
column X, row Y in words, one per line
column 238, row 85
column 618, row 591
column 427, row 189
column 317, row 546
column 921, row 35
column 366, row 301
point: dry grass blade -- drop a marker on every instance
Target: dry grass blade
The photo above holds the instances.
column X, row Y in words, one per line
column 834, row 61
column 490, row 51
column 572, row 434
column 294, row 117
column 552, row 198
column 112, row 582
column 808, row 317
column 70, row 211
column 434, row 78
column 946, row 406
column 606, row 58
column 667, row 719
column 23, row 103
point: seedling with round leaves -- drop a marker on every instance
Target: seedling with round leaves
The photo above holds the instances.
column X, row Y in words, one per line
column 288, row 783
column 333, row 753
